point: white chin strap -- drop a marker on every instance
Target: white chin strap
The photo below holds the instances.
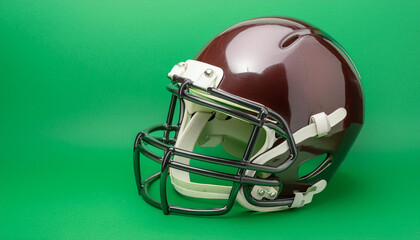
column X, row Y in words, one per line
column 320, row 124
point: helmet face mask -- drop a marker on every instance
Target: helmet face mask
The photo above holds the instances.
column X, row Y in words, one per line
column 269, row 151
column 182, row 93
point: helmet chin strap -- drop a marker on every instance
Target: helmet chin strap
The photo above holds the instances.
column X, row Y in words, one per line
column 320, row 124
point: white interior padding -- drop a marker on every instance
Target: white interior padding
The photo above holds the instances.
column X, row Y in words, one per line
column 186, row 140
column 232, row 134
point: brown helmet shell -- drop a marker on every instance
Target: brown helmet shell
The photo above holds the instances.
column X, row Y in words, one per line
column 298, row 71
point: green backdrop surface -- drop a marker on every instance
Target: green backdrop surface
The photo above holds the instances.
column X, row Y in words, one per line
column 79, row 79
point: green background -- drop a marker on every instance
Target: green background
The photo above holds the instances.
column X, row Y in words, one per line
column 79, row 79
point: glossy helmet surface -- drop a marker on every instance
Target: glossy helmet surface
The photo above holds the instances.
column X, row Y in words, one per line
column 276, row 93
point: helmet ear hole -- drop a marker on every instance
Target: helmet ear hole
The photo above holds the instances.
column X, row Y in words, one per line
column 314, row 166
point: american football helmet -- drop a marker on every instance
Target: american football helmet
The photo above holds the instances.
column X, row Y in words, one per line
column 280, row 97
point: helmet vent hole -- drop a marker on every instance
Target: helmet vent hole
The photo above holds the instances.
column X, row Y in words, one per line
column 289, row 41
column 314, row 166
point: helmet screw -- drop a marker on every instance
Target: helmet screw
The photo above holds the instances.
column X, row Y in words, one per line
column 208, row 73
column 261, row 192
column 183, row 65
column 272, row 195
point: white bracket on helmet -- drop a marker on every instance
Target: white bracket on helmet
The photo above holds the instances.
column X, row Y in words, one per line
column 202, row 75
column 302, row 199
column 260, row 192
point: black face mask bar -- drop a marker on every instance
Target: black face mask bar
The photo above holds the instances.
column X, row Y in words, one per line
column 263, row 117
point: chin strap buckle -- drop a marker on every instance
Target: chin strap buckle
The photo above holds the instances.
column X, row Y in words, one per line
column 301, row 199
column 322, row 124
